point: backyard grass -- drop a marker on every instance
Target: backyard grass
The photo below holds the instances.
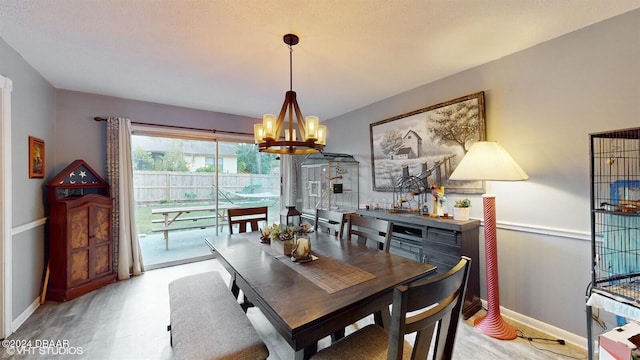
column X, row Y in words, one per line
column 143, row 219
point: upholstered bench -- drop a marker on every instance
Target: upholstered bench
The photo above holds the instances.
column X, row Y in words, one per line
column 208, row 323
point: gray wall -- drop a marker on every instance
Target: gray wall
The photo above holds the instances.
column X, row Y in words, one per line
column 33, row 114
column 66, row 118
column 541, row 104
column 85, row 138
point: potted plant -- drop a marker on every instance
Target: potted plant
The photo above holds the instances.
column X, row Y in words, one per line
column 461, row 209
column 283, row 237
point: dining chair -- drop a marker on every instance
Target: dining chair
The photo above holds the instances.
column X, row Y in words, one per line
column 243, row 217
column 424, row 307
column 329, row 221
column 246, row 216
column 366, row 228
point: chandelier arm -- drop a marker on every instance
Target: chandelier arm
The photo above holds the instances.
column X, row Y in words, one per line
column 285, row 150
column 300, row 118
column 290, row 127
column 280, row 119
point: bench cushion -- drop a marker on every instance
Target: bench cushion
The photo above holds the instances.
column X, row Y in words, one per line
column 208, row 323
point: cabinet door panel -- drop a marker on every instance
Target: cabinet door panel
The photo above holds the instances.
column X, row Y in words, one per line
column 79, row 267
column 442, row 261
column 100, row 223
column 102, row 259
column 443, row 236
column 402, row 248
column 429, row 246
column 409, row 232
column 79, row 227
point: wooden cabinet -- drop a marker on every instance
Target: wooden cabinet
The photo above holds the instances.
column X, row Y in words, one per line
column 438, row 242
column 80, row 239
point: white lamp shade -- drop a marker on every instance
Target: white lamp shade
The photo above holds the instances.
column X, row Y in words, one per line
column 488, row 160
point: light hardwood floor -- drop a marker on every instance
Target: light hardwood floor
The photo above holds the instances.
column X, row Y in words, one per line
column 128, row 320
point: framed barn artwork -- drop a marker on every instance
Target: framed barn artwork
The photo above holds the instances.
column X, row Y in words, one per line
column 428, row 143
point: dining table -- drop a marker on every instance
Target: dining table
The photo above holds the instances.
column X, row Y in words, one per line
column 307, row 301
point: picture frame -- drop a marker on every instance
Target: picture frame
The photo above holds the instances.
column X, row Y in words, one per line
column 36, row 158
column 314, row 188
column 428, row 143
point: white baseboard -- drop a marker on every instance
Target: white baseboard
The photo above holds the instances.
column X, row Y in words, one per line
column 555, row 332
column 25, row 315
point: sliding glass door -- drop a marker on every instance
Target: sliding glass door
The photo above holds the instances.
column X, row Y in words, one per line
column 184, row 185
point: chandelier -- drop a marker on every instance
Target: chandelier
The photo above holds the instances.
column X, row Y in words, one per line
column 268, row 134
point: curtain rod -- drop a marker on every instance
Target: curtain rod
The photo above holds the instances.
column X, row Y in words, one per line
column 97, row 118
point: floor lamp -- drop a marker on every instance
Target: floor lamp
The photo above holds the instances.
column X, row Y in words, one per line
column 489, row 161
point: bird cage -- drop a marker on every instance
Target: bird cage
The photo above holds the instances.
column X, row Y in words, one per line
column 330, row 182
column 615, row 212
column 615, row 221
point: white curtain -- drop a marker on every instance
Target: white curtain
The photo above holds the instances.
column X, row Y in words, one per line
column 127, row 254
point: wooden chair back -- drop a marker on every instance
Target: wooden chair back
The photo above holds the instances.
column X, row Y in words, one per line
column 329, row 221
column 244, row 216
column 366, row 228
column 441, row 298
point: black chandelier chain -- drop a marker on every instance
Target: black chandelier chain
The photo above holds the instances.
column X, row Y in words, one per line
column 290, row 67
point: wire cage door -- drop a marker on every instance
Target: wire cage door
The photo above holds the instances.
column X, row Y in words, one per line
column 615, row 212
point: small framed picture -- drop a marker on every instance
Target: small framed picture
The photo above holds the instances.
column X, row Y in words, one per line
column 314, row 188
column 36, row 158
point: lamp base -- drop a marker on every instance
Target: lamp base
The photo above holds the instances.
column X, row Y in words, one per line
column 494, row 325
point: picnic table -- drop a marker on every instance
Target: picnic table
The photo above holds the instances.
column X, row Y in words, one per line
column 173, row 215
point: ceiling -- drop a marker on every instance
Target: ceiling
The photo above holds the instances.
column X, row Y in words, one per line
column 229, row 56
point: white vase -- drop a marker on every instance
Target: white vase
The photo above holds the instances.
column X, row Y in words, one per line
column 460, row 213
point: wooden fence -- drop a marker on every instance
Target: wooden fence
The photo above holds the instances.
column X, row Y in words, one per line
column 175, row 186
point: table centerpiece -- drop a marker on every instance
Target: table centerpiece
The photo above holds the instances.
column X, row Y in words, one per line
column 283, row 237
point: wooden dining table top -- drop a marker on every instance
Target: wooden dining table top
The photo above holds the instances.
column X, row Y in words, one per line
column 307, row 304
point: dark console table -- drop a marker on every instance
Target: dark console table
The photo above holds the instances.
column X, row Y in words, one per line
column 438, row 242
